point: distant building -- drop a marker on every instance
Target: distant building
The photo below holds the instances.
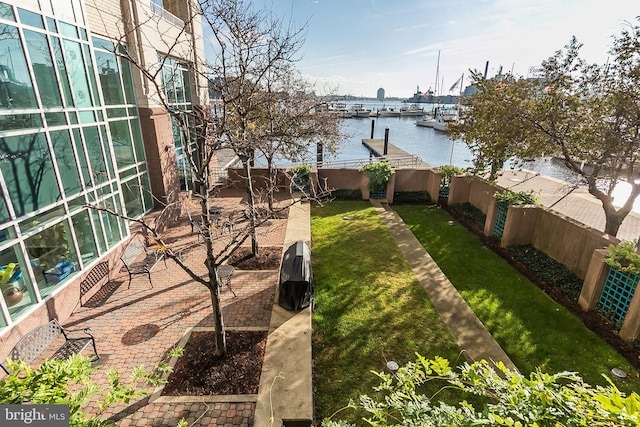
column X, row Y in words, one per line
column 380, row 94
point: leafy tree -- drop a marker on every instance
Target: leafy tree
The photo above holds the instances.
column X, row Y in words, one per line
column 541, row 399
column 587, row 114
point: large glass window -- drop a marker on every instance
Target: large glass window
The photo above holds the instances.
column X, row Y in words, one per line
column 42, row 64
column 177, row 85
column 14, row 281
column 84, row 234
column 121, row 139
column 16, row 89
column 62, row 147
column 63, row 151
column 52, row 256
column 77, row 73
column 98, row 166
column 28, row 172
column 109, row 78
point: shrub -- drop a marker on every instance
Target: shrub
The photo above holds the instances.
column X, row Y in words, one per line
column 470, row 211
column 379, row 174
column 624, row 257
column 548, row 269
column 511, row 197
column 411, row 197
column 539, row 399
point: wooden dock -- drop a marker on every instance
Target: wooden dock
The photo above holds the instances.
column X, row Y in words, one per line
column 396, row 156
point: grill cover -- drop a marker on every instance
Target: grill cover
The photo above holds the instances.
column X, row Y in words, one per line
column 296, row 278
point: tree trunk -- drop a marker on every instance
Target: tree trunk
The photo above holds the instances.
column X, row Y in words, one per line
column 220, row 348
column 273, row 180
column 252, row 209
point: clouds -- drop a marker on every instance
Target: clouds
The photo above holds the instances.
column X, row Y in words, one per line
column 362, row 45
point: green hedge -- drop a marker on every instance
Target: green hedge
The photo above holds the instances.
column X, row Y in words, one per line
column 411, row 197
column 470, row 211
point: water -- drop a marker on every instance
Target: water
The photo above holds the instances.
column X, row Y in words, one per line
column 432, row 146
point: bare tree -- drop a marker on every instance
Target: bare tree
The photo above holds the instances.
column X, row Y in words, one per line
column 250, row 47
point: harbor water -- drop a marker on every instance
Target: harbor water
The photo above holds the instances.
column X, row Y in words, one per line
column 432, row 146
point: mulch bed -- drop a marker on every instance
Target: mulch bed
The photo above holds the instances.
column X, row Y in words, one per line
column 268, row 258
column 199, row 373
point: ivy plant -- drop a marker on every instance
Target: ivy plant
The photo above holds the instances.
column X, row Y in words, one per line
column 511, row 197
column 379, row 174
column 624, row 257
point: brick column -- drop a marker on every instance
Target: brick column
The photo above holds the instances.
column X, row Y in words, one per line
column 594, row 281
column 161, row 154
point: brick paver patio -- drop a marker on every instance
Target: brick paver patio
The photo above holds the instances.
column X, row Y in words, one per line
column 137, row 326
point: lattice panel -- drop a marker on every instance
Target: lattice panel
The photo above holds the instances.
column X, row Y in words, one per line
column 501, row 219
column 616, row 295
column 444, row 192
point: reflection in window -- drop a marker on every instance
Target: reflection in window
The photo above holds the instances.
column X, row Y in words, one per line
column 52, row 256
column 66, row 162
column 43, row 69
column 121, row 139
column 62, row 70
column 127, row 80
column 84, row 234
column 109, row 78
column 82, row 159
column 132, row 198
column 16, row 89
column 98, row 167
column 77, row 73
column 14, row 283
column 6, row 12
column 111, row 226
column 28, row 171
column 4, row 213
column 95, row 219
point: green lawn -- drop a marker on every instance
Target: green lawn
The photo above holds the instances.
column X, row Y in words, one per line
column 534, row 330
column 369, row 306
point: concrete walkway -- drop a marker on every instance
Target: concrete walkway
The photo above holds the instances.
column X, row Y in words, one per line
column 472, row 336
column 286, row 386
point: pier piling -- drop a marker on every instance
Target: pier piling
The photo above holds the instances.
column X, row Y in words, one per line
column 373, row 125
column 385, row 150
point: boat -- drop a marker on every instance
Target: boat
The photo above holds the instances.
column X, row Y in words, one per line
column 444, row 116
column 388, row 112
column 411, row 111
column 359, row 110
column 340, row 109
column 428, row 120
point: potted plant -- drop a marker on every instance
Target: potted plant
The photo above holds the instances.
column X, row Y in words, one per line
column 624, row 257
column 379, row 174
column 301, row 177
column 509, row 197
column 447, row 172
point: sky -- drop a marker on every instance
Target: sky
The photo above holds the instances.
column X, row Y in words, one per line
column 358, row 46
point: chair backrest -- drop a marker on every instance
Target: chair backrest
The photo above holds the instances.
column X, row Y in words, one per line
column 132, row 251
column 36, row 341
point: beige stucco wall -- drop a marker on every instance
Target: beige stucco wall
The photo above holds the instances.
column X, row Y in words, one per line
column 568, row 241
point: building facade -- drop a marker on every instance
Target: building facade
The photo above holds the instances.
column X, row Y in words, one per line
column 85, row 86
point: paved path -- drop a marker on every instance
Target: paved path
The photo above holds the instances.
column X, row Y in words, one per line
column 472, row 336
